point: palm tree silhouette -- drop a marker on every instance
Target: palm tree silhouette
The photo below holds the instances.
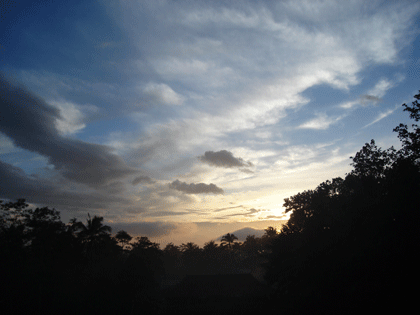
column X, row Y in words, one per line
column 229, row 239
column 190, row 247
column 94, row 236
column 93, row 231
column 124, row 239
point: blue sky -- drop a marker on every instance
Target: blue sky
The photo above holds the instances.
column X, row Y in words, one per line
column 185, row 120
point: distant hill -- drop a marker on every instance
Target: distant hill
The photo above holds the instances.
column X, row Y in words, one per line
column 243, row 233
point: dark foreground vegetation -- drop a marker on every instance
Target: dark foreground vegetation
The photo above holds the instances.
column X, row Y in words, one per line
column 349, row 247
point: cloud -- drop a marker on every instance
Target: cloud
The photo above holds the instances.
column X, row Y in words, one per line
column 321, row 122
column 142, row 179
column 380, row 89
column 72, row 116
column 223, row 158
column 32, row 125
column 350, row 104
column 383, row 115
column 6, row 145
column 16, row 184
column 374, row 95
column 192, row 188
column 249, row 213
column 233, row 86
column 227, row 208
column 162, row 94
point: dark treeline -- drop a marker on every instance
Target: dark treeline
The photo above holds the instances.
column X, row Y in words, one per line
column 348, row 247
column 81, row 268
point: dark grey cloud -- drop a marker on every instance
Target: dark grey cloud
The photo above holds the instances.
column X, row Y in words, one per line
column 31, row 124
column 223, row 158
column 142, row 180
column 192, row 188
column 15, row 184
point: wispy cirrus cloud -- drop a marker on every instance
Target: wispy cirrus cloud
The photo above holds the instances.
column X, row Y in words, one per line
column 321, row 122
column 375, row 94
column 382, row 116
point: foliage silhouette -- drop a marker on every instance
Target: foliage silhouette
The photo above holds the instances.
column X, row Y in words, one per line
column 124, row 239
column 228, row 240
column 411, row 139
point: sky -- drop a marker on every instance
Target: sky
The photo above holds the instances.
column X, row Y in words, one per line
column 186, row 120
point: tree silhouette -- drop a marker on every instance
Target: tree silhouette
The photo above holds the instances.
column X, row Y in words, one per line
column 252, row 245
column 95, row 237
column 228, row 240
column 372, row 161
column 143, row 243
column 124, row 239
column 172, row 258
column 210, row 247
column 270, row 232
column 411, row 139
column 93, row 230
column 190, row 248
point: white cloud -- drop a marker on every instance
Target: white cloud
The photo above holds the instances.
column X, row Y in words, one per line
column 71, row 118
column 6, row 145
column 221, row 16
column 163, row 94
column 176, row 66
column 381, row 88
column 321, row 122
column 350, row 104
column 375, row 94
column 383, row 115
column 246, row 65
